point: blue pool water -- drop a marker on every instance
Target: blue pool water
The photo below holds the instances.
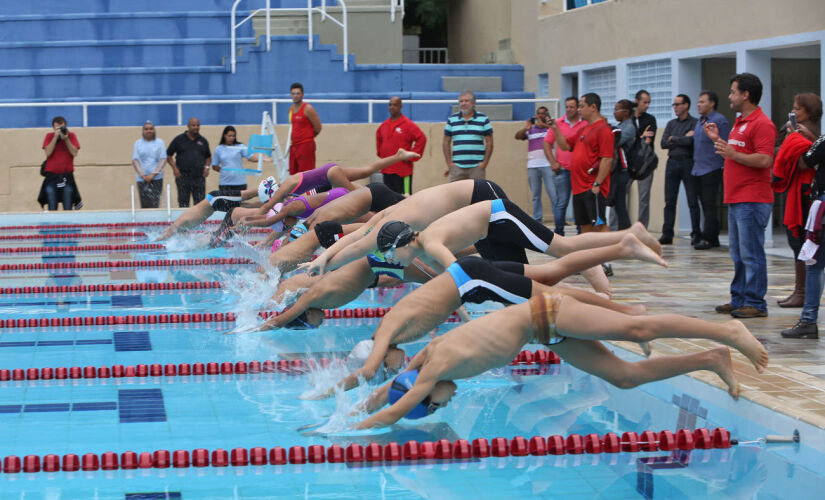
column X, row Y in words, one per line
column 264, row 409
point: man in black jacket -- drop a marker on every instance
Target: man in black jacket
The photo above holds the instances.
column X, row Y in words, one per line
column 188, row 154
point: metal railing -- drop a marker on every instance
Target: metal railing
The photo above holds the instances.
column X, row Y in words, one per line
column 396, row 4
column 342, row 23
column 370, row 103
column 432, row 55
column 238, row 25
column 309, row 11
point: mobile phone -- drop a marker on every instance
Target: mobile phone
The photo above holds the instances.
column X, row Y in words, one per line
column 533, row 120
column 792, row 119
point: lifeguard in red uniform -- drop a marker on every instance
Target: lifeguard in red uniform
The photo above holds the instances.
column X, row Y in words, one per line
column 305, row 126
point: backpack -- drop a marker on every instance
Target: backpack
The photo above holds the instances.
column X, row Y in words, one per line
column 641, row 158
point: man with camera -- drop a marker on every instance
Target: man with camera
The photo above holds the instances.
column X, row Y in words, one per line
column 538, row 166
column 60, row 147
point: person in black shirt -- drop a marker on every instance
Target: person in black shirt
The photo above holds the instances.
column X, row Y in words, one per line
column 645, row 131
column 188, row 154
column 678, row 140
column 806, row 327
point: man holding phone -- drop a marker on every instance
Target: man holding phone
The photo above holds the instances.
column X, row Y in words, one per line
column 538, row 166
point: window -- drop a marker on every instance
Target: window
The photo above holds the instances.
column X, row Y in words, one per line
column 572, row 4
column 543, row 89
column 655, row 77
column 603, row 82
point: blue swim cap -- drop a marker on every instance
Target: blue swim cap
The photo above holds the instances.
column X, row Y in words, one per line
column 400, row 385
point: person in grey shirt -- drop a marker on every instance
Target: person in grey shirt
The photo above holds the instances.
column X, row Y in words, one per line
column 645, row 124
column 623, row 113
column 678, row 140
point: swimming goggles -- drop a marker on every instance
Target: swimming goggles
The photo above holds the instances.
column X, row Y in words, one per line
column 389, row 254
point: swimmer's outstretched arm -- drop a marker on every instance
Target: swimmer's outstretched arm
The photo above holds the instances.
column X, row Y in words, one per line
column 371, row 365
column 361, row 244
column 268, row 240
column 403, row 406
column 376, row 400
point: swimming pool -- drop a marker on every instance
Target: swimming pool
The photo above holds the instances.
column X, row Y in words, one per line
column 229, row 410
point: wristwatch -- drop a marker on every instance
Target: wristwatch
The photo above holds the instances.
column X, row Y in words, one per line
column 596, row 184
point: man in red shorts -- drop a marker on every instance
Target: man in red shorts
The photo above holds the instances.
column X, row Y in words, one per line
column 590, row 165
column 305, row 126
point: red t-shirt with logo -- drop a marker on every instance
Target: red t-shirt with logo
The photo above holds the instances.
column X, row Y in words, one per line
column 755, row 133
column 60, row 161
column 590, row 145
column 395, row 134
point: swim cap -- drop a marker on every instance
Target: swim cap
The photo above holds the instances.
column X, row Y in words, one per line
column 400, row 385
column 328, row 232
column 300, row 323
column 297, row 231
column 278, row 226
column 361, row 351
column 267, row 188
column 394, row 234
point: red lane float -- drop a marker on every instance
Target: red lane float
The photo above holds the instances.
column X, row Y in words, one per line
column 70, row 236
column 84, row 249
column 294, row 367
column 374, row 453
column 128, row 264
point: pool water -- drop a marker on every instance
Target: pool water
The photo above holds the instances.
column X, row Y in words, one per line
column 97, row 415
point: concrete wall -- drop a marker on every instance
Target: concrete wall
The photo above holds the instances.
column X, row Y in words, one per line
column 373, row 39
column 104, row 173
column 476, row 26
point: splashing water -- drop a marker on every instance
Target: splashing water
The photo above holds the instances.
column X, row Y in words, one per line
column 186, row 241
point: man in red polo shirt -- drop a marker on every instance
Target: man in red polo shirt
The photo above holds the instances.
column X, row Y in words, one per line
column 590, row 164
column 748, row 154
column 60, row 147
column 399, row 132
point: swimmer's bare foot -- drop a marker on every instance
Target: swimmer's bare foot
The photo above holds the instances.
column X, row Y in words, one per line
column 641, row 232
column 633, row 248
column 744, row 341
column 719, row 362
column 646, row 349
column 405, row 155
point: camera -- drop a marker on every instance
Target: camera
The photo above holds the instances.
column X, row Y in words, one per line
column 64, row 130
column 533, row 120
column 792, row 120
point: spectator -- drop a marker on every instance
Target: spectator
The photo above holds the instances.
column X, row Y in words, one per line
column 60, row 147
column 748, row 154
column 678, row 140
column 399, row 132
column 806, row 327
column 590, row 165
column 808, row 110
column 306, row 125
column 188, row 154
column 228, row 160
column 468, row 141
column 538, row 166
column 623, row 113
column 148, row 160
column 645, row 130
column 570, row 124
column 707, row 166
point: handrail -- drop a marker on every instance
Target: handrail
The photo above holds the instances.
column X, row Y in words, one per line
column 370, row 103
column 233, row 56
column 324, row 15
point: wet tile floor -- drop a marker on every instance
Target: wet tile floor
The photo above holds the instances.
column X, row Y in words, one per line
column 694, row 284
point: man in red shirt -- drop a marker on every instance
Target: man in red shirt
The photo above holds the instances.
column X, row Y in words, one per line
column 306, row 124
column 399, row 132
column 748, row 154
column 590, row 164
column 60, row 147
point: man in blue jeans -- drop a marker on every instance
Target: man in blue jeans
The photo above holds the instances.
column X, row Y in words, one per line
column 748, row 154
column 570, row 124
column 806, row 327
column 538, row 166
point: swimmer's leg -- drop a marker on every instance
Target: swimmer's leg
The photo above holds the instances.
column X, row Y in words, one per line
column 584, row 321
column 595, row 358
column 190, row 218
column 356, row 173
column 586, row 297
column 563, row 246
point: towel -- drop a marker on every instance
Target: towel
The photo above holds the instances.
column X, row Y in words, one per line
column 787, row 177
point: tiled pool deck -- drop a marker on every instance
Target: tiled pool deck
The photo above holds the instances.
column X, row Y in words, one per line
column 698, row 281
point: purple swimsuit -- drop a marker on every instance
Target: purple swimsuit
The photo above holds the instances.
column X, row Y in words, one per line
column 313, row 179
column 332, row 194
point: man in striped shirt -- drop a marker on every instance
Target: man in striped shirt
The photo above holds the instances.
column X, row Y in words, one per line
column 468, row 141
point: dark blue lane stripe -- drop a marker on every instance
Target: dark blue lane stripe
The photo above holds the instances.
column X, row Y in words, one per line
column 58, row 303
column 141, row 405
column 57, row 343
column 47, row 407
column 59, row 407
column 160, row 495
column 106, row 405
column 132, row 341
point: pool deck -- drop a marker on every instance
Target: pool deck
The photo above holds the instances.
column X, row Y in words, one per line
column 698, row 281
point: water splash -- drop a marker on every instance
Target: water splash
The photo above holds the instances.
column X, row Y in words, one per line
column 186, row 241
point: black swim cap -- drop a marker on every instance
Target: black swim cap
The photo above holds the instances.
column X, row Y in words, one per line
column 394, row 234
column 300, row 323
column 328, row 232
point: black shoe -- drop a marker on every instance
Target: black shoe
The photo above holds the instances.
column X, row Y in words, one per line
column 725, row 308
column 608, row 269
column 802, row 331
column 705, row 245
column 749, row 312
column 694, row 240
column 665, row 241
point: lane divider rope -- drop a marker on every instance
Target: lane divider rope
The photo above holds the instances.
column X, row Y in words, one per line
column 107, row 264
column 120, row 287
column 376, row 454
column 111, row 225
column 87, row 248
column 293, row 367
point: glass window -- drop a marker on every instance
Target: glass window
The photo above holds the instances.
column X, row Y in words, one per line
column 655, row 77
column 603, row 82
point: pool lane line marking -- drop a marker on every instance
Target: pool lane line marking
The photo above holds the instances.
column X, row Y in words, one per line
column 294, row 367
column 356, row 455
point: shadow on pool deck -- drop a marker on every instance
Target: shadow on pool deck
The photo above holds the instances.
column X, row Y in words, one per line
column 698, row 281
